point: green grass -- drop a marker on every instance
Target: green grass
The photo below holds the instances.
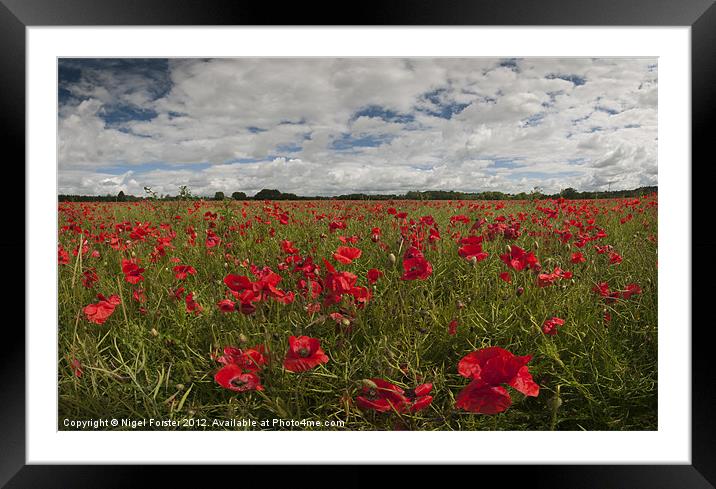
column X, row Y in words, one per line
column 158, row 365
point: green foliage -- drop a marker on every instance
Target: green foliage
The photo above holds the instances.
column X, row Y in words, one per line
column 158, row 363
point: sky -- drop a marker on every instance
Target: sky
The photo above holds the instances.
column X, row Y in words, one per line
column 331, row 126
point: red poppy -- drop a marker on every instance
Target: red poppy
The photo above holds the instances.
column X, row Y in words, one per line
column 226, row 305
column 603, row 249
column 346, row 254
column 460, row 218
column 89, row 277
column 602, row 289
column 348, row 239
column 434, row 235
column 630, row 290
column 139, row 295
column 375, row 235
column 415, row 266
column 304, row 353
column 212, row 239
column 288, row 248
column 615, row 258
column 99, row 312
column 63, row 257
column 489, row 368
column 547, row 279
column 191, row 304
column 132, row 271
column 76, row 367
column 418, row 398
column 452, row 327
column 480, row 397
column 181, row 271
column 518, row 259
column 472, row 248
column 578, row 257
column 177, row 293
column 251, row 359
column 506, row 277
column 382, row 396
column 549, row 327
column 373, row 275
column 336, row 225
column 237, row 283
column 233, row 377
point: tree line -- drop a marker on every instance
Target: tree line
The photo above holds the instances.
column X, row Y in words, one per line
column 274, row 194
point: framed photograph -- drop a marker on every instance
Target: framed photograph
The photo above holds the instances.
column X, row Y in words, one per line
column 445, row 236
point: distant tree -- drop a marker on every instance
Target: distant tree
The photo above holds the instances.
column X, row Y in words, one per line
column 121, row 197
column 536, row 193
column 219, row 196
column 569, row 193
column 150, row 193
column 184, row 192
column 268, row 194
column 238, row 196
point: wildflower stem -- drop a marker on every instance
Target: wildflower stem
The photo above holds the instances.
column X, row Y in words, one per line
column 78, row 261
column 124, row 309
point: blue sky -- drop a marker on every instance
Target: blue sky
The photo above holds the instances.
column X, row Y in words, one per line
column 323, row 126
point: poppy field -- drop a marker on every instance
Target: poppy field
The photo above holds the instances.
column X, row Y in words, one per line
column 360, row 315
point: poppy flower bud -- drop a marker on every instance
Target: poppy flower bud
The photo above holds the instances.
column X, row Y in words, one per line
column 180, row 387
column 520, row 290
column 243, row 338
column 346, row 322
column 369, row 384
column 392, row 258
column 536, row 245
column 154, row 332
column 134, row 254
column 226, row 265
column 554, row 402
column 473, row 260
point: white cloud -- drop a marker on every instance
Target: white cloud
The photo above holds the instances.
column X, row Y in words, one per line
column 330, row 126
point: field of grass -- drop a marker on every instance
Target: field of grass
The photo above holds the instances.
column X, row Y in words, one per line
column 146, row 349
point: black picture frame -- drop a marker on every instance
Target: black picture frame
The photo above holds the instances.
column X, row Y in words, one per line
column 700, row 15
